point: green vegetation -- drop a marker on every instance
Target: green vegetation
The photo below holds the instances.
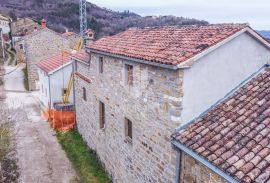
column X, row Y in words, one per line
column 4, row 140
column 26, row 84
column 83, row 159
column 11, row 55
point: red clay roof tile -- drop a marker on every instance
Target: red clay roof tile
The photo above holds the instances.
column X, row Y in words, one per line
column 55, row 61
column 165, row 45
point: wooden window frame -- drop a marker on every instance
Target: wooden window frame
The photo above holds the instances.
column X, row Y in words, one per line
column 101, row 65
column 101, row 115
column 84, row 94
column 129, row 74
column 128, row 130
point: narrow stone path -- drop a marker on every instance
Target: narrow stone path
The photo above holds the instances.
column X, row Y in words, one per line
column 11, row 55
column 40, row 157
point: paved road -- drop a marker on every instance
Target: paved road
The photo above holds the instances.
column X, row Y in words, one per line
column 40, row 157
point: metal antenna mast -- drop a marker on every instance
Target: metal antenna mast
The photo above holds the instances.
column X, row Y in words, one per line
column 83, row 17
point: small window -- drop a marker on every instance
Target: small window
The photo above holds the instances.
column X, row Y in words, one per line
column 84, row 94
column 101, row 115
column 64, row 91
column 21, row 46
column 128, row 129
column 129, row 74
column 101, row 64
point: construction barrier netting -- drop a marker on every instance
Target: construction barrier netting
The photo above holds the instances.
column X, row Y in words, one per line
column 60, row 120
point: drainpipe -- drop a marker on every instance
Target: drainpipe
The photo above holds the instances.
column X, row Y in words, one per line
column 49, row 81
column 178, row 166
column 74, row 69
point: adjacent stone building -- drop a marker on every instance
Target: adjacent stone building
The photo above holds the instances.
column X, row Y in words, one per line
column 40, row 45
column 231, row 141
column 22, row 27
column 138, row 86
column 4, row 24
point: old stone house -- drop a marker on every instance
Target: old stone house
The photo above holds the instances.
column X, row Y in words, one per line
column 4, row 24
column 230, row 142
column 40, row 45
column 73, row 37
column 138, row 86
column 22, row 27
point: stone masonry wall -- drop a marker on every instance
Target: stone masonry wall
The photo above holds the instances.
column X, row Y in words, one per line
column 40, row 46
column 153, row 105
column 193, row 171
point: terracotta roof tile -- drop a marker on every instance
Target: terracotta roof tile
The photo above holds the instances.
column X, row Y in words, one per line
column 240, row 145
column 82, row 56
column 166, row 45
column 55, row 62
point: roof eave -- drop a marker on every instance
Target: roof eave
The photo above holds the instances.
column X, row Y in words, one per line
column 197, row 157
column 166, row 66
column 188, row 63
column 59, row 68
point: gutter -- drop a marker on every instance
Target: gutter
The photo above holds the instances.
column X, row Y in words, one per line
column 133, row 59
column 181, row 147
column 49, row 80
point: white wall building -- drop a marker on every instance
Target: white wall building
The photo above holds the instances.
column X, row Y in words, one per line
column 4, row 24
column 54, row 75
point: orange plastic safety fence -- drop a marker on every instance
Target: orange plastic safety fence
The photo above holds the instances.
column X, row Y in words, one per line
column 60, row 120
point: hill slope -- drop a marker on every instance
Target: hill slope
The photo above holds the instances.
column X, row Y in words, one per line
column 65, row 14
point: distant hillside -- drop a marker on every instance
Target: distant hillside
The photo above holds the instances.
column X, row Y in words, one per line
column 62, row 14
column 265, row 34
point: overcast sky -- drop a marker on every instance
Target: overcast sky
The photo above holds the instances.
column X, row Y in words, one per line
column 255, row 12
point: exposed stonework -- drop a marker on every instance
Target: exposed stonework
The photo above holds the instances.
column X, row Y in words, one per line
column 194, row 171
column 38, row 46
column 153, row 104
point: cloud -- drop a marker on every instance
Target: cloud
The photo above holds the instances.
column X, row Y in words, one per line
column 257, row 12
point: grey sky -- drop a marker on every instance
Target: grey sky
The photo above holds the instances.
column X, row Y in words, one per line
column 255, row 12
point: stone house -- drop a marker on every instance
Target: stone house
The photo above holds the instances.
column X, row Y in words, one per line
column 54, row 75
column 4, row 24
column 230, row 142
column 22, row 27
column 40, row 45
column 138, row 86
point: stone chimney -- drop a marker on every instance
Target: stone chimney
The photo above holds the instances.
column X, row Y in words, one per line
column 43, row 23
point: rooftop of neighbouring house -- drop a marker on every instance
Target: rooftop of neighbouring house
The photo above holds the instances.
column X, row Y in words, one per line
column 67, row 34
column 234, row 135
column 3, row 18
column 82, row 56
column 56, row 61
column 165, row 45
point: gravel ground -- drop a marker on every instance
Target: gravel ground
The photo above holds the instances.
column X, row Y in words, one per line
column 39, row 157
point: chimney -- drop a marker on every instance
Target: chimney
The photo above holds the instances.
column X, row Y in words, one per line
column 43, row 23
column 66, row 29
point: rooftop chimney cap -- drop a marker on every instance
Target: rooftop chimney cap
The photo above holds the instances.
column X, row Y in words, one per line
column 43, row 23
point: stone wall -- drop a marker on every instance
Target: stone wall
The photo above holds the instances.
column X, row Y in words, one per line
column 194, row 171
column 20, row 54
column 153, row 105
column 42, row 45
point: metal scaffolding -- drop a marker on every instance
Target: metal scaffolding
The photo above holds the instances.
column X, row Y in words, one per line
column 83, row 17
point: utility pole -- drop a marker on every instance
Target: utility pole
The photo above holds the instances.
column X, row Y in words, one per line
column 2, row 43
column 83, row 18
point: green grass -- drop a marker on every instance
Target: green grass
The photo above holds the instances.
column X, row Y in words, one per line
column 84, row 160
column 26, row 84
column 4, row 140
